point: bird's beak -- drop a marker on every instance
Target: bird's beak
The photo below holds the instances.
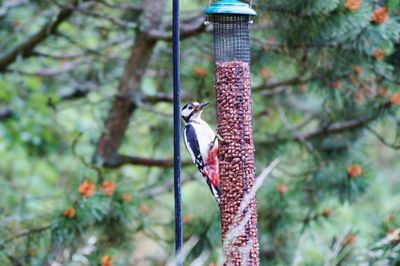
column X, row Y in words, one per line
column 202, row 105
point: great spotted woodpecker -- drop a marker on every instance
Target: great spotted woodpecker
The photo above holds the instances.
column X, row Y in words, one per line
column 202, row 145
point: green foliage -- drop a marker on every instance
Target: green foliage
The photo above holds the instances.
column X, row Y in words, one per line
column 323, row 77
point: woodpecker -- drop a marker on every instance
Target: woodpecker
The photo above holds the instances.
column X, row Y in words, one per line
column 202, row 145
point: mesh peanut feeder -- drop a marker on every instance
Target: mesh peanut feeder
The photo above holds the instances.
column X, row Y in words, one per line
column 230, row 20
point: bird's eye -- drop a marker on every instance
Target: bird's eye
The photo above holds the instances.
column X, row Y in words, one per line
column 190, row 107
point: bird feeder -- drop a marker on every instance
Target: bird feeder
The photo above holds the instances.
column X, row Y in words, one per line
column 230, row 20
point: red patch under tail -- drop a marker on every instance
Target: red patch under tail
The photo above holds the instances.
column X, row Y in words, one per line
column 212, row 167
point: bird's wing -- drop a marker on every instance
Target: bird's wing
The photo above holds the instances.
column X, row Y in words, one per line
column 191, row 139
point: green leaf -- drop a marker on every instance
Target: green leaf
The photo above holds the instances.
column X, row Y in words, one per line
column 393, row 5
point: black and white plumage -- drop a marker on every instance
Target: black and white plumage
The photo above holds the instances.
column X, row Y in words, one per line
column 193, row 147
column 202, row 145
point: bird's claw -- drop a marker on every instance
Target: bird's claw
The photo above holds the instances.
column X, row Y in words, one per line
column 217, row 137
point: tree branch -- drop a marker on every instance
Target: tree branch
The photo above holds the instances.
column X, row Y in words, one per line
column 167, row 186
column 331, row 129
column 71, row 56
column 26, row 48
column 116, row 21
column 120, row 160
column 335, row 128
column 188, row 29
column 124, row 6
column 29, row 232
column 52, row 71
column 279, row 86
column 382, row 139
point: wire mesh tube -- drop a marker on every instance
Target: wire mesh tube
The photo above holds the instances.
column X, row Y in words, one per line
column 236, row 149
column 231, row 38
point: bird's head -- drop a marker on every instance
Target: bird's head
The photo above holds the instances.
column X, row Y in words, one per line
column 192, row 111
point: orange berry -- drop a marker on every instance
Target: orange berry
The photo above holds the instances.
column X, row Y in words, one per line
column 108, row 187
column 380, row 15
column 354, row 170
column 303, row 88
column 70, row 213
column 395, row 99
column 143, row 208
column 63, row 62
column 87, row 188
column 379, row 54
column 336, row 84
column 282, row 189
column 106, row 260
column 200, row 71
column 382, row 91
column 393, row 235
column 354, row 80
column 359, row 97
column 327, row 213
column 127, row 197
column 265, row 74
column 350, row 239
column 187, row 218
column 358, row 69
column 352, row 5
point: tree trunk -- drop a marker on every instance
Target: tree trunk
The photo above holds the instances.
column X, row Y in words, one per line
column 129, row 88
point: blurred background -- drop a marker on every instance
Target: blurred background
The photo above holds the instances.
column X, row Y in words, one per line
column 86, row 132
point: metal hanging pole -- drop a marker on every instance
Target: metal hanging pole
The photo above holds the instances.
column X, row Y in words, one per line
column 177, row 132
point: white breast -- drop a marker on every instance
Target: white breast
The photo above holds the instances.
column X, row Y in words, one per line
column 205, row 138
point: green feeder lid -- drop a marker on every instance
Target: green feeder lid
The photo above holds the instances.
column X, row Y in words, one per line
column 234, row 7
